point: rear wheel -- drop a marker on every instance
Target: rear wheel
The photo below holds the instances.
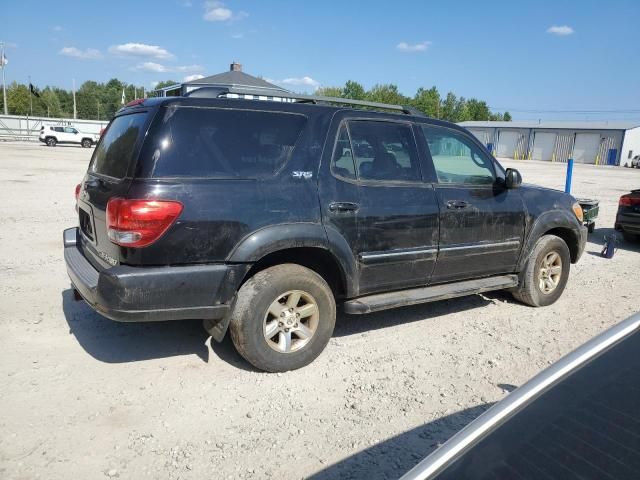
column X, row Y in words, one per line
column 546, row 273
column 283, row 318
column 86, row 143
column 51, row 142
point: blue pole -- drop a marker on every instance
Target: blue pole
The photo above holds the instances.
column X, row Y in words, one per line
column 567, row 185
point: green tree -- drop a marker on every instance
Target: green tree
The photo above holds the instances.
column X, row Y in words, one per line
column 477, row 110
column 18, row 99
column 329, row 92
column 386, row 93
column 353, row 90
column 506, row 117
column 51, row 102
column 428, row 101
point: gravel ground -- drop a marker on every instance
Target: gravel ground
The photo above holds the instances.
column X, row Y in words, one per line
column 84, row 397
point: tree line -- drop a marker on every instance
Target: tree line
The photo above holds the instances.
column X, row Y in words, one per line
column 100, row 101
column 94, row 100
column 429, row 101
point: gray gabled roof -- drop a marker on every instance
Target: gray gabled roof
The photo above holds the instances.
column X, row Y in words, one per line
column 620, row 125
column 235, row 79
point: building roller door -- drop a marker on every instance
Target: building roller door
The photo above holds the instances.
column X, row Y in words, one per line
column 543, row 146
column 507, row 142
column 586, row 147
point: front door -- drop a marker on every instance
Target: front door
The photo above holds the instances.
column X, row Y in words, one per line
column 481, row 222
column 375, row 198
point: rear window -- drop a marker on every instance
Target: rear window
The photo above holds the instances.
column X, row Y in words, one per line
column 113, row 155
column 220, row 143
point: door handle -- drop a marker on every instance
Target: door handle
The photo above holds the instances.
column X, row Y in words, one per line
column 456, row 204
column 343, row 207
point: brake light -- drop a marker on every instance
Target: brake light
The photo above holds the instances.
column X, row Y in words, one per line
column 78, row 188
column 629, row 200
column 135, row 102
column 138, row 223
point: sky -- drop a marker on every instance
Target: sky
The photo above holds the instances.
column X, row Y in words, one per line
column 539, row 60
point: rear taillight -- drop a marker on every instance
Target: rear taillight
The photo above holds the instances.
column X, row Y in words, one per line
column 629, row 200
column 78, row 188
column 138, row 223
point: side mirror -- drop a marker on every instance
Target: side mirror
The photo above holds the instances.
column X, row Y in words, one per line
column 512, row 179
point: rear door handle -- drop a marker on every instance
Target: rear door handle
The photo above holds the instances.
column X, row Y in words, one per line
column 455, row 204
column 343, row 207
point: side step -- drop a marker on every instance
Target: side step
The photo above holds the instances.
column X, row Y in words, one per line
column 414, row 296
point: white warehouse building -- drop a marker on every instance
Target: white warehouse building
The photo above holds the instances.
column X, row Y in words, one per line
column 598, row 143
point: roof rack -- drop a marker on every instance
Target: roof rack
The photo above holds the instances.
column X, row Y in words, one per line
column 217, row 92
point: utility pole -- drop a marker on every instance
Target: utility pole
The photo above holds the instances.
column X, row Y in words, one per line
column 30, row 97
column 3, row 61
column 98, row 110
column 75, row 113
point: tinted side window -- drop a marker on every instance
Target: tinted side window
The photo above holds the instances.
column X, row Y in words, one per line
column 220, row 143
column 342, row 156
column 58, row 129
column 384, row 151
column 114, row 153
column 457, row 159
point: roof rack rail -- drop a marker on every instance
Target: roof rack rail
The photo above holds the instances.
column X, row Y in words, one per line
column 217, row 92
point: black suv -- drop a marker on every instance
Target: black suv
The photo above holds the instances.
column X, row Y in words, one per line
column 259, row 216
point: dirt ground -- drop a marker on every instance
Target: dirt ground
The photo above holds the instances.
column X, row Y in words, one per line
column 85, row 397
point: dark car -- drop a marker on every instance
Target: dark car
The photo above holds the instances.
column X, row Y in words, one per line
column 260, row 217
column 628, row 217
column 576, row 420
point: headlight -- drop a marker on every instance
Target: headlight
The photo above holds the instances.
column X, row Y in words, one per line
column 577, row 209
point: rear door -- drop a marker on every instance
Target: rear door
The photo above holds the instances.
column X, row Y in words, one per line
column 375, row 198
column 481, row 222
column 109, row 175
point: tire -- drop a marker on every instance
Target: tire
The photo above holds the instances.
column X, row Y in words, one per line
column 262, row 300
column 51, row 142
column 86, row 143
column 591, row 227
column 530, row 291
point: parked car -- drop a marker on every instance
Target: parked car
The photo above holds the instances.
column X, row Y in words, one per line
column 635, row 162
column 52, row 135
column 578, row 419
column 254, row 216
column 628, row 216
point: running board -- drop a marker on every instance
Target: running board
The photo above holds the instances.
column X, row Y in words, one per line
column 414, row 296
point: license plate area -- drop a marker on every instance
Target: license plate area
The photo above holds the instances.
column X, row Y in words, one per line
column 86, row 225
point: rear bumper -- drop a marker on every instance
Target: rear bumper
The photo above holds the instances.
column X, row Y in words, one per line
column 140, row 294
column 628, row 223
column 582, row 242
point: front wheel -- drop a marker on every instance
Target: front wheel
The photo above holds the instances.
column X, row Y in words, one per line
column 51, row 142
column 283, row 318
column 546, row 272
column 86, row 143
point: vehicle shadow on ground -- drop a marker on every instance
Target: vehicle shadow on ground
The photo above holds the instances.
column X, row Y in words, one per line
column 355, row 324
column 600, row 236
column 115, row 342
column 395, row 456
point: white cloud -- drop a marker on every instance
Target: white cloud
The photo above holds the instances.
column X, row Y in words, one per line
column 87, row 54
column 416, row 47
column 237, row 36
column 151, row 67
column 57, row 28
column 561, row 30
column 140, row 50
column 216, row 11
column 190, row 78
column 159, row 68
column 186, row 4
column 305, row 82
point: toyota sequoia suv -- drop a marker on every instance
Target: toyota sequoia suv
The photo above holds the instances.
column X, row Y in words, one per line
column 259, row 217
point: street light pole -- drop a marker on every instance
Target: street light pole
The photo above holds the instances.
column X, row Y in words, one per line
column 4, row 83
